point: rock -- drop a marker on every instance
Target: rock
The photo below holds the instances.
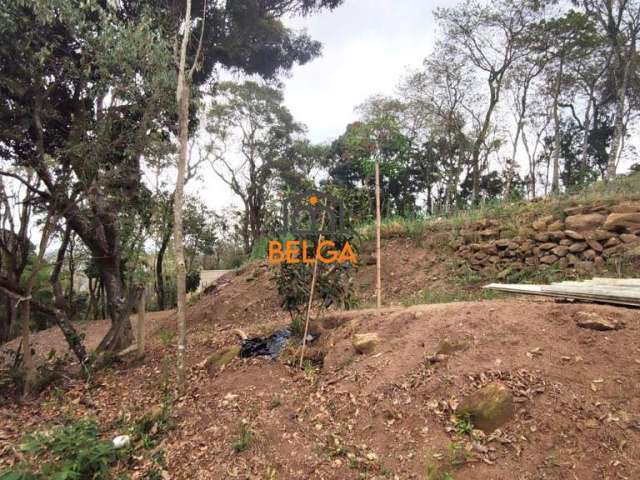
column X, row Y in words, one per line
column 593, row 321
column 489, row 407
column 565, row 242
column 541, row 223
column 222, row 357
column 503, row 243
column 599, row 235
column 560, row 251
column 589, row 255
column 556, row 226
column 489, row 234
column 578, row 247
column 626, row 207
column 571, row 211
column 612, row 242
column 595, row 245
column 586, row 221
column 365, row 343
column 547, row 246
column 599, row 261
column 574, row 235
column 622, row 221
column 549, row 259
column 628, row 237
column 542, row 237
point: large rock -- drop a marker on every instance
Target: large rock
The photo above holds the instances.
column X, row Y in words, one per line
column 612, row 242
column 488, row 408
column 593, row 321
column 599, row 235
column 547, row 246
column 626, row 207
column 622, row 221
column 583, row 222
column 365, row 343
column 556, row 226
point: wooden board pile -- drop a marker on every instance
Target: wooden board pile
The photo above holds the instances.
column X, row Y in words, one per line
column 618, row 291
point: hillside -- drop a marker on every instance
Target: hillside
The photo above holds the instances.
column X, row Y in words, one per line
column 393, row 411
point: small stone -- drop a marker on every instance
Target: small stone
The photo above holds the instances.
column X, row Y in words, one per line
column 595, row 245
column 547, row 246
column 560, row 251
column 612, row 242
column 578, row 247
column 548, row 259
column 589, row 255
column 574, row 235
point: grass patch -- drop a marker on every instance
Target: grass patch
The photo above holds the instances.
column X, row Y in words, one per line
column 449, row 296
column 243, row 440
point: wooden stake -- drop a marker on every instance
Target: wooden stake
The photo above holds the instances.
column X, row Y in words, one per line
column 140, row 327
column 313, row 286
column 378, row 222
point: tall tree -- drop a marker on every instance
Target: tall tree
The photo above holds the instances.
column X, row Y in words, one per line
column 251, row 132
column 487, row 36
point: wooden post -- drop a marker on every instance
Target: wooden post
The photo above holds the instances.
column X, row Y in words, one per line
column 378, row 222
column 140, row 326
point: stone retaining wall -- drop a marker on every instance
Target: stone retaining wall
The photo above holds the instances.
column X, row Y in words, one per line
column 582, row 237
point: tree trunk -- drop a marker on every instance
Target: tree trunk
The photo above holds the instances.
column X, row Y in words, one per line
column 119, row 305
column 378, row 224
column 160, row 291
column 29, row 373
column 477, row 145
column 555, row 187
column 183, row 92
column 618, row 130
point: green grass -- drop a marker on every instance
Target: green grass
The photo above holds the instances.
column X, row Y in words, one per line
column 512, row 215
column 449, row 296
column 243, row 440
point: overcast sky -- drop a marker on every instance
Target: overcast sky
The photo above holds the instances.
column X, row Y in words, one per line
column 367, row 46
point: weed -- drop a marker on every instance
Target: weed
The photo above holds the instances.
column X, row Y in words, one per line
column 65, row 452
column 243, row 440
column 463, row 425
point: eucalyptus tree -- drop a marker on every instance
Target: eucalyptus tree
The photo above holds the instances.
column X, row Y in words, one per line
column 488, row 36
column 619, row 20
column 250, row 132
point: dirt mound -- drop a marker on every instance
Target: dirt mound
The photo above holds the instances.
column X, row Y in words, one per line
column 389, row 413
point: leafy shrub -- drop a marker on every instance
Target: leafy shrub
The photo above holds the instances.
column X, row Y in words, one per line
column 72, row 452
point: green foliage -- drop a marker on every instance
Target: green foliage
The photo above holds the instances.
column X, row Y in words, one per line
column 193, row 280
column 72, row 452
column 334, row 284
column 243, row 440
column 463, row 425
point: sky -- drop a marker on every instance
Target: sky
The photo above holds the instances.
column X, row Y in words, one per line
column 367, row 46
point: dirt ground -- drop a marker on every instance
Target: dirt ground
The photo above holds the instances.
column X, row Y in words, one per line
column 387, row 414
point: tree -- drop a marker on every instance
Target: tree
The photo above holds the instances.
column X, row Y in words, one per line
column 249, row 120
column 620, row 22
column 488, row 36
